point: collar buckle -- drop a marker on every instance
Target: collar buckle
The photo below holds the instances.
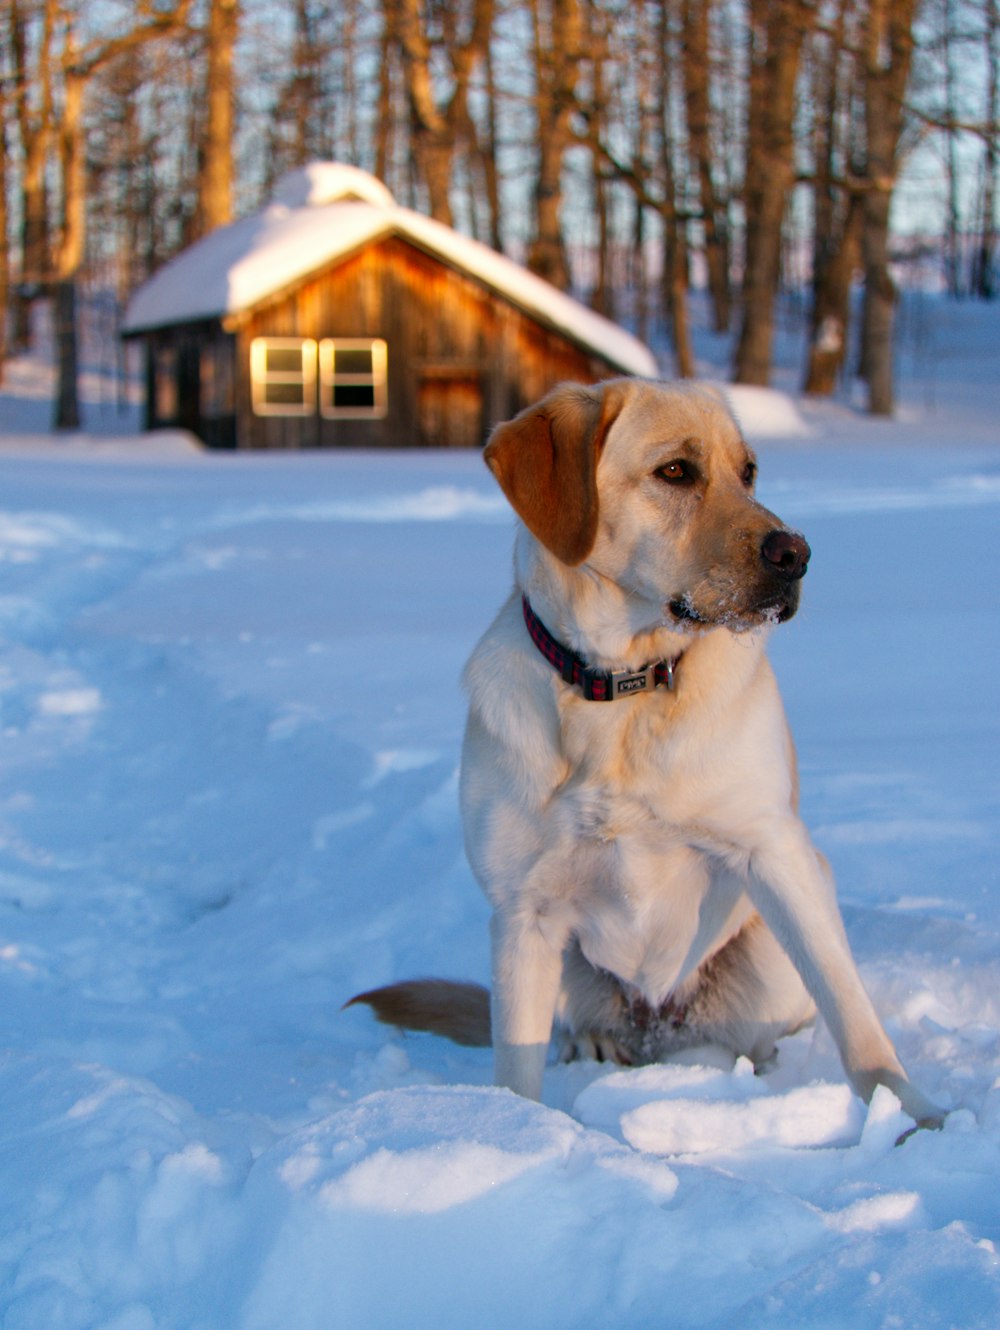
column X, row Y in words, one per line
column 623, row 683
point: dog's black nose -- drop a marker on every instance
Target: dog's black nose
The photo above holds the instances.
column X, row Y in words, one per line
column 787, row 553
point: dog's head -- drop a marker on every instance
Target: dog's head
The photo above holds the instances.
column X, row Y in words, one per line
column 652, row 486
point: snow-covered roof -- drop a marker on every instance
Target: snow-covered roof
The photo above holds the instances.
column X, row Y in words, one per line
column 325, row 211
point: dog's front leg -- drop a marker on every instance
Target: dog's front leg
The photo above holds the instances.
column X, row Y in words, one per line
column 795, row 897
column 527, row 973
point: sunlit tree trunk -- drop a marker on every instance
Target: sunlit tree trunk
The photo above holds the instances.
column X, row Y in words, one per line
column 675, row 238
column 433, row 142
column 439, row 124
column 69, row 257
column 557, row 34
column 4, row 240
column 77, row 67
column 215, row 167
column 695, row 16
column 777, row 33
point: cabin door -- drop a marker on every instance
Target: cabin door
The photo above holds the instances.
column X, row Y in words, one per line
column 450, row 410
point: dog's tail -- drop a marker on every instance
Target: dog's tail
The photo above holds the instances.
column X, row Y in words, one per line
column 460, row 1012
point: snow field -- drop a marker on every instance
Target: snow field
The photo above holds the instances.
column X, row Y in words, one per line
column 229, row 731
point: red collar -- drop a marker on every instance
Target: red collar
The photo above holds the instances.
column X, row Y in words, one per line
column 597, row 685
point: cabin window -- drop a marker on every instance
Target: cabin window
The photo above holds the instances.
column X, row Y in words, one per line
column 283, row 376
column 352, row 378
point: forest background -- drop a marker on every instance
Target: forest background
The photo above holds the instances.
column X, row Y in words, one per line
column 625, row 150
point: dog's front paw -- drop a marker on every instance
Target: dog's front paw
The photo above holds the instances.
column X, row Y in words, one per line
column 932, row 1122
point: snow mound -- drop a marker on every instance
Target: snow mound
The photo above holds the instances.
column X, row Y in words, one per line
column 766, row 413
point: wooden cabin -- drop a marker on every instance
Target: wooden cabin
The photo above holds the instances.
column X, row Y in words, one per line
column 336, row 318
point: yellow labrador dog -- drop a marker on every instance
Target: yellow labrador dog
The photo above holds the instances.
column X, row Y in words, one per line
column 629, row 789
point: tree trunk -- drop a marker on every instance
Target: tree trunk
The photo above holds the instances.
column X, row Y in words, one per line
column 438, row 128
column 433, row 144
column 778, row 30
column 71, row 244
column 983, row 281
column 488, row 154
column 4, row 240
column 888, row 53
column 66, row 415
column 836, row 211
column 215, row 176
column 953, row 222
column 697, row 103
column 558, row 33
column 833, row 273
column 384, row 104
column 675, row 237
column 35, row 132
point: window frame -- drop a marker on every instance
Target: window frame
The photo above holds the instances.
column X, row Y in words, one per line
column 329, row 379
column 261, row 377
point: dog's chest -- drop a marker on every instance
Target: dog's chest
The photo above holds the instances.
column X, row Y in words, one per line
column 643, row 886
column 626, row 770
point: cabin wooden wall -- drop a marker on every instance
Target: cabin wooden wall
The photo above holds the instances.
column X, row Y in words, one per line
column 460, row 357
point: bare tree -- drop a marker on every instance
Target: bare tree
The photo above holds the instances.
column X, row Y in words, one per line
column 888, row 53
column 597, row 39
column 557, row 31
column 80, row 61
column 215, row 164
column 984, row 277
column 675, row 225
column 778, row 29
column 695, row 20
column 31, row 33
column 836, row 200
column 439, row 123
column 4, row 223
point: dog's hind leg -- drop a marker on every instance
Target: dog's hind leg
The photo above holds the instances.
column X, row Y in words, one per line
column 744, row 998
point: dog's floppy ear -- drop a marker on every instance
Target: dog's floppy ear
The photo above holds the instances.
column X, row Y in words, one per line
column 545, row 461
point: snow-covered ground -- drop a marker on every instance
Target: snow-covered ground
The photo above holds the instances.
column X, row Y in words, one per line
column 229, row 731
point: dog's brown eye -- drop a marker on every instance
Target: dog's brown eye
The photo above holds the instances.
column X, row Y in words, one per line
column 678, row 472
column 749, row 474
